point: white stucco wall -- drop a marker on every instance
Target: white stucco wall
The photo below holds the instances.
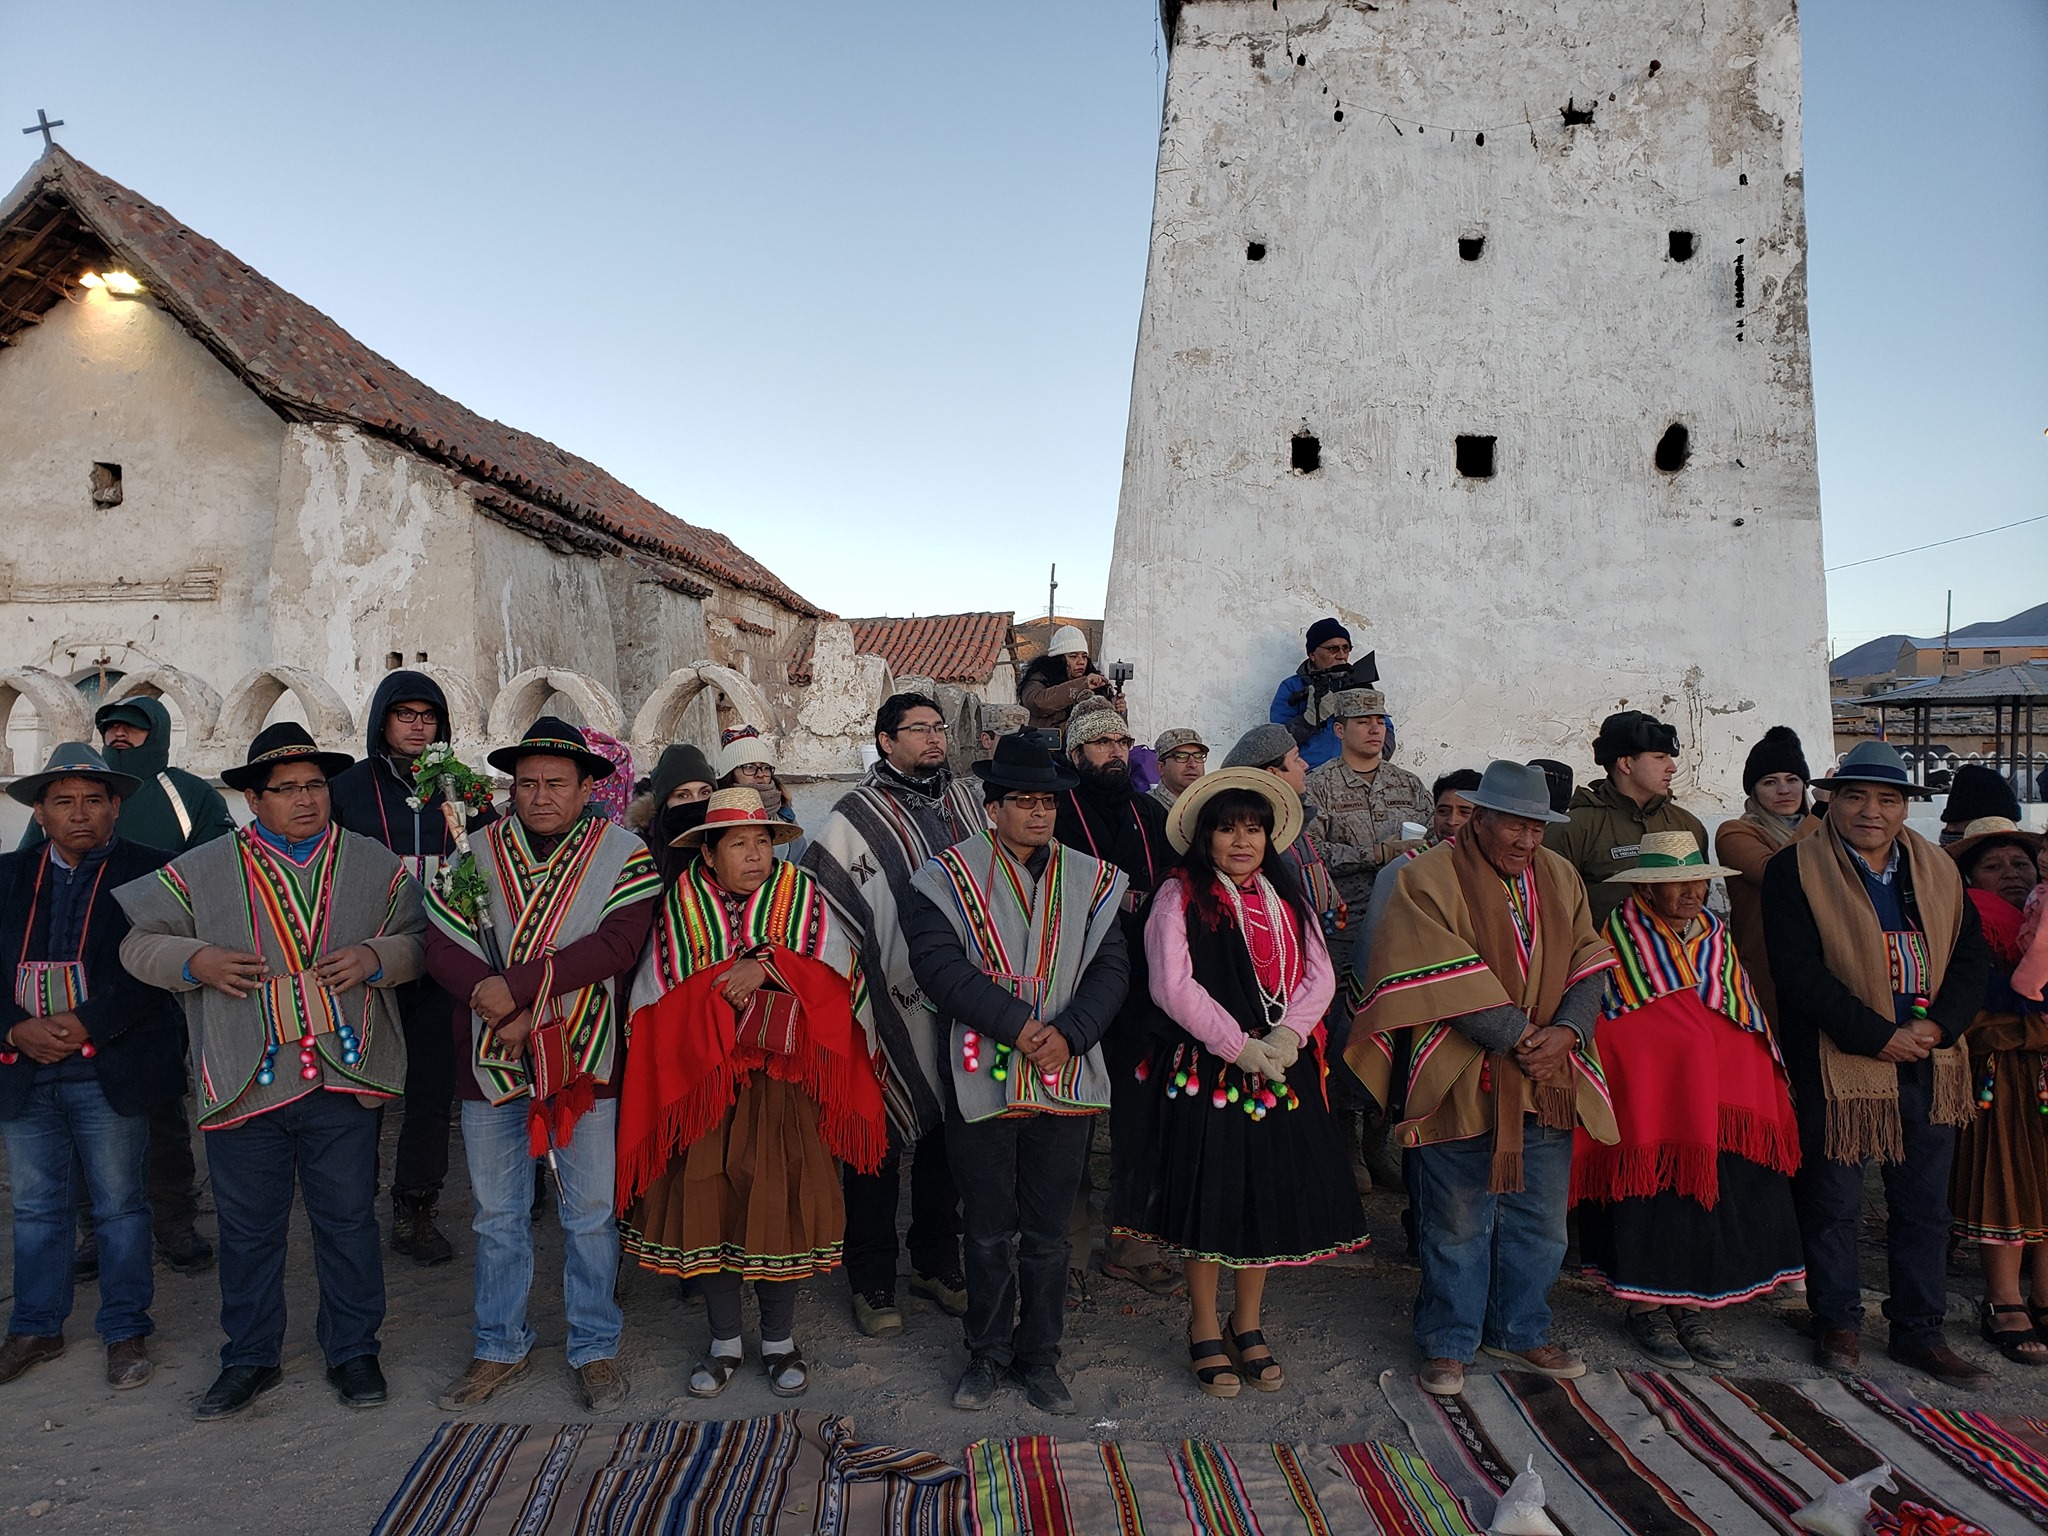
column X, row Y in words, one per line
column 1510, row 614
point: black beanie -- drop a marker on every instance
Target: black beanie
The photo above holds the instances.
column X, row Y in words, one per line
column 1323, row 631
column 1629, row 732
column 1778, row 752
column 1979, row 791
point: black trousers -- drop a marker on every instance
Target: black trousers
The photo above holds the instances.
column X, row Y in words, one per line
column 425, row 1011
column 1017, row 1179
column 871, row 1200
column 1829, row 1199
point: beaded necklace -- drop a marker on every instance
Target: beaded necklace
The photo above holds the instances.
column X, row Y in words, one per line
column 1281, row 956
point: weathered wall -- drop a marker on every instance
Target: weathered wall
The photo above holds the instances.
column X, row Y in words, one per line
column 1509, row 613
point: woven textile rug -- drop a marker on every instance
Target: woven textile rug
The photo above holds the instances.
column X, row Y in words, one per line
column 790, row 1474
column 1641, row 1453
column 1045, row 1487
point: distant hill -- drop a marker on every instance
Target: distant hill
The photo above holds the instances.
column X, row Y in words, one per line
column 1878, row 655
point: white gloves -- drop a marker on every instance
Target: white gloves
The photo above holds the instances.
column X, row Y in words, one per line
column 1271, row 1056
column 1285, row 1045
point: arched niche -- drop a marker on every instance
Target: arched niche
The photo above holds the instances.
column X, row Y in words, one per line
column 251, row 700
column 60, row 709
column 198, row 704
column 521, row 701
column 655, row 726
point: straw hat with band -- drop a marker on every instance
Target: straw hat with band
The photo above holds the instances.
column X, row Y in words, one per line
column 1274, row 790
column 1993, row 829
column 1670, row 858
column 1024, row 762
column 550, row 736
column 285, row 742
column 738, row 807
column 1873, row 762
column 73, row 760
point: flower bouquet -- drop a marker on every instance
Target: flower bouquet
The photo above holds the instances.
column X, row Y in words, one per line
column 463, row 792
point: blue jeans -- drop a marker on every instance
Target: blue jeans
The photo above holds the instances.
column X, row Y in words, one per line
column 1488, row 1261
column 501, row 1193
column 329, row 1142
column 61, row 1121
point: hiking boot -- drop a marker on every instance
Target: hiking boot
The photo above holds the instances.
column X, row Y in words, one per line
column 1552, row 1360
column 1838, row 1349
column 234, row 1389
column 978, row 1384
column 478, row 1384
column 948, row 1291
column 601, row 1384
column 413, row 1232
column 1655, row 1335
column 876, row 1315
column 1697, row 1334
column 1043, row 1387
column 1942, row 1363
column 85, row 1260
column 359, row 1382
column 128, row 1364
column 1443, row 1377
column 23, row 1350
column 185, row 1251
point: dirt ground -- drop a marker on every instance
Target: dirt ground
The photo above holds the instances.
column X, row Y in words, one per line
column 80, row 1458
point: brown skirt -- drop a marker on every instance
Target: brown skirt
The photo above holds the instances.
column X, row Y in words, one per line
column 1999, row 1190
column 757, row 1194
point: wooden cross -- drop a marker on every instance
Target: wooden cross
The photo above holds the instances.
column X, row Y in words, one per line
column 43, row 125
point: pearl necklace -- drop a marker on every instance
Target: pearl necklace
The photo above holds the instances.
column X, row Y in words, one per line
column 1272, row 1001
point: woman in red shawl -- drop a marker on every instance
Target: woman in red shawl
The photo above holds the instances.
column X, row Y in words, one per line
column 746, row 1078
column 1692, row 1209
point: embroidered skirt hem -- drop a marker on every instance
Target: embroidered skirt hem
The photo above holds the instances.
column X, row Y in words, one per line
column 1669, row 1249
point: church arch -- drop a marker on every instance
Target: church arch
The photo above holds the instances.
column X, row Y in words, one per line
column 520, row 702
column 251, row 700
column 60, row 709
column 655, row 726
column 198, row 704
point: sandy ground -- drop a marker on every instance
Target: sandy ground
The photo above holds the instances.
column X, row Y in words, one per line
column 87, row 1459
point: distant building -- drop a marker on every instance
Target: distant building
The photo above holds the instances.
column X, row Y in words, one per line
column 1930, row 658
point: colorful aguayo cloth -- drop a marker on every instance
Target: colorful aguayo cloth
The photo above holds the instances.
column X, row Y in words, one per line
column 791, row 1474
column 1634, row 1453
column 1044, row 1487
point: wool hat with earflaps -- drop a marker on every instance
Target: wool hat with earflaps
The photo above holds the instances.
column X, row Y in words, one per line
column 73, row 760
column 1670, row 858
column 1630, row 732
column 286, row 742
column 550, row 736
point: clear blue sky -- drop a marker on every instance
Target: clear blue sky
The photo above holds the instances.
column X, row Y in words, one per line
column 859, row 284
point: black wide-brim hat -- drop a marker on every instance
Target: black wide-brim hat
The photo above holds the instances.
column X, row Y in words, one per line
column 286, row 742
column 552, row 737
column 1024, row 762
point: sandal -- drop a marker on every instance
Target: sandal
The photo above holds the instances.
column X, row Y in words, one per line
column 2013, row 1343
column 1264, row 1373
column 1215, row 1380
column 717, row 1372
column 778, row 1365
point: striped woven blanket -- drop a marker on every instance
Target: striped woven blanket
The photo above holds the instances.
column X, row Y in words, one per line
column 1045, row 1487
column 790, row 1474
column 1640, row 1453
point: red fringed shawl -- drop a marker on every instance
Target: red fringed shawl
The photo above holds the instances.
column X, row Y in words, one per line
column 1689, row 1081
column 686, row 1068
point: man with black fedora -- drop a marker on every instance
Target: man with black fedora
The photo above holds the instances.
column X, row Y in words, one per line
column 1015, row 939
column 1604, row 825
column 87, row 1053
column 285, row 943
column 1487, row 955
column 1880, row 963
column 1975, row 792
column 539, row 1030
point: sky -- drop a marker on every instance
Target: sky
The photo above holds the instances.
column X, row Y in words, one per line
column 860, row 285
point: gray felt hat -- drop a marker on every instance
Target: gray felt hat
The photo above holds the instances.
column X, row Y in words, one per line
column 1260, row 745
column 1514, row 789
column 73, row 760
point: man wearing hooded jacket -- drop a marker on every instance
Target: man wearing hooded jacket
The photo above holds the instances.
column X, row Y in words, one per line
column 407, row 714
column 175, row 811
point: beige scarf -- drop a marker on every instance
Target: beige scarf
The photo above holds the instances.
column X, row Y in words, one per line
column 1862, row 1091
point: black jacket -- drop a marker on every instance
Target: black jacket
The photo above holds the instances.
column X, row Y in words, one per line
column 137, row 1031
column 147, row 816
column 371, row 796
column 1812, row 999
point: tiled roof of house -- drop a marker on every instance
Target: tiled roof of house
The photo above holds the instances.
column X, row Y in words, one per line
column 945, row 647
column 65, row 215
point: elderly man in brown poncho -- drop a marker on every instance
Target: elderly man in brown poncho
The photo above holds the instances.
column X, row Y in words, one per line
column 1485, row 983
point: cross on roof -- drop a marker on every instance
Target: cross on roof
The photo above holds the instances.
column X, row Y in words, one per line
column 43, row 125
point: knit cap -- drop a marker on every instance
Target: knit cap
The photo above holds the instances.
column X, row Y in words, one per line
column 1778, row 752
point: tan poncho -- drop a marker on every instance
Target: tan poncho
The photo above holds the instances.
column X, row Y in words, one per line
column 1447, row 945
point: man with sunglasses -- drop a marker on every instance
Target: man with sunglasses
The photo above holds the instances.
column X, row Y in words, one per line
column 1183, row 758
column 286, row 943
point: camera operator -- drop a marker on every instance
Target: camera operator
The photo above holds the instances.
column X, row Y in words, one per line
column 1053, row 684
column 1305, row 701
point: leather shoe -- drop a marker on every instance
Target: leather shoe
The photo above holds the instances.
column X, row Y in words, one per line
column 1552, row 1360
column 978, row 1384
column 1043, row 1388
column 235, row 1388
column 1942, row 1363
column 23, row 1350
column 1443, row 1377
column 186, row 1252
column 128, row 1363
column 478, row 1384
column 1837, row 1349
column 360, row 1382
column 602, row 1385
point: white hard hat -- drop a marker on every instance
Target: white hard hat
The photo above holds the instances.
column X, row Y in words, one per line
column 1066, row 640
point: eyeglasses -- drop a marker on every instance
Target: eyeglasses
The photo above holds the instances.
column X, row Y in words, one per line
column 1119, row 743
column 406, row 716
column 1032, row 802
column 306, row 791
column 920, row 729
column 1187, row 755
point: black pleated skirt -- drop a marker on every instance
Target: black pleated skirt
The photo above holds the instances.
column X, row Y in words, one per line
column 1669, row 1248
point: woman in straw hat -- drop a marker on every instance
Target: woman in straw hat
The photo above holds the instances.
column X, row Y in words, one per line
column 1692, row 1209
column 1246, row 1163
column 1998, row 1189
column 746, row 1079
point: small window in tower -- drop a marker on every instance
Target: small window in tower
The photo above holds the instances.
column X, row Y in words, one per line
column 420, row 657
column 1305, row 453
column 1475, row 457
column 1681, row 245
column 393, row 660
column 1255, row 250
column 106, row 485
column 1469, row 247
column 1673, row 448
